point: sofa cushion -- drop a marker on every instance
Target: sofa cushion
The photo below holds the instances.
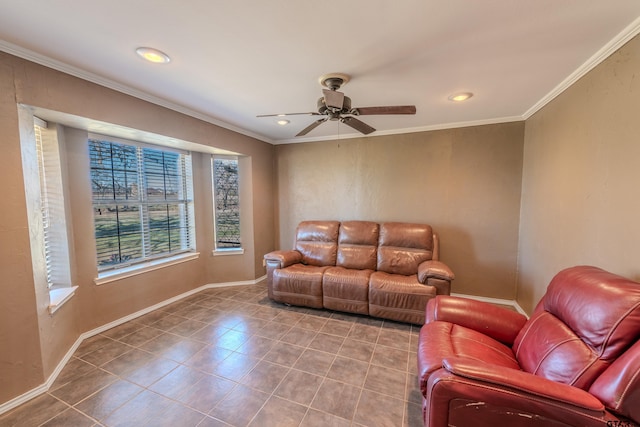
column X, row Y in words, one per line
column 346, row 289
column 299, row 285
column 587, row 318
column 403, row 246
column 317, row 242
column 398, row 297
column 357, row 245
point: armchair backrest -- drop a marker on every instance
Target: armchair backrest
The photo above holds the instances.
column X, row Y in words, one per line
column 317, row 242
column 587, row 319
column 358, row 245
column 403, row 246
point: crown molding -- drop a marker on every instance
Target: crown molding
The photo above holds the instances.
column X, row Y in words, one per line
column 607, row 50
column 442, row 126
column 40, row 59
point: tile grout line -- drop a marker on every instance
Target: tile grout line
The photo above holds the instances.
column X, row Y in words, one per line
column 254, row 307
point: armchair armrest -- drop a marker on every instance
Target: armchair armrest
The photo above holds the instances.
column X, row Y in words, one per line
column 435, row 269
column 496, row 322
column 283, row 259
column 522, row 382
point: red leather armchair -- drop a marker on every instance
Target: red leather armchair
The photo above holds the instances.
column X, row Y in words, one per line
column 575, row 362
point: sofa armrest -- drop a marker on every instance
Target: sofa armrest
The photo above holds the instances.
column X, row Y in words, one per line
column 283, row 259
column 521, row 381
column 434, row 269
column 496, row 322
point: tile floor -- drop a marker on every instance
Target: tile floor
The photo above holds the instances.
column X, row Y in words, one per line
column 230, row 356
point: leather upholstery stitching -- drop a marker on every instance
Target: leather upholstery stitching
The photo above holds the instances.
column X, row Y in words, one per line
column 495, row 350
column 527, row 329
column 339, row 299
column 558, row 344
column 626, row 389
column 605, row 343
column 399, row 310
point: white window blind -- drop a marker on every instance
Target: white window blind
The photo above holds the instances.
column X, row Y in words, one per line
column 142, row 200
column 52, row 207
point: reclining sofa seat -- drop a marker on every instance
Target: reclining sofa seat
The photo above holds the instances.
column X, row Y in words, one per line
column 387, row 270
column 575, row 362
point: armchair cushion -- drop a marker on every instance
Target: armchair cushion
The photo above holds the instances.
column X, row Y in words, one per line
column 587, row 318
column 442, row 340
column 496, row 322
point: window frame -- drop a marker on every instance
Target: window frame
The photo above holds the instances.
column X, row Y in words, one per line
column 148, row 260
column 222, row 251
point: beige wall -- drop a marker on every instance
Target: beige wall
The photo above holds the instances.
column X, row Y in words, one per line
column 20, row 358
column 464, row 182
column 581, row 171
column 513, row 203
column 32, row 342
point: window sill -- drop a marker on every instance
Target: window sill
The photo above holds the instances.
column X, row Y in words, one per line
column 134, row 270
column 58, row 297
column 224, row 252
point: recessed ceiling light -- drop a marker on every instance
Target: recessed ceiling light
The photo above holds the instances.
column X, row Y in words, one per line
column 153, row 55
column 459, row 97
column 283, row 122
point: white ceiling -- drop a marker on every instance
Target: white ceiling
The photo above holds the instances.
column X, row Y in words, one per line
column 233, row 60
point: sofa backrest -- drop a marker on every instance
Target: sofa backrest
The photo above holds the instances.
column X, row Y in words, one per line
column 403, row 246
column 586, row 320
column 317, row 241
column 358, row 244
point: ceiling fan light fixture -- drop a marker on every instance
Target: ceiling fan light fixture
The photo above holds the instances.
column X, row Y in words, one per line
column 153, row 55
column 460, row 97
column 283, row 122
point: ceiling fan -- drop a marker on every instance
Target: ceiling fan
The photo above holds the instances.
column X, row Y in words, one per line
column 336, row 106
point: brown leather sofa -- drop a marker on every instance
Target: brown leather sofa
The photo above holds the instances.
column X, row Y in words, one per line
column 387, row 270
column 575, row 362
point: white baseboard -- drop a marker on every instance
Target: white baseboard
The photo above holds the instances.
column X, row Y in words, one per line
column 508, row 302
column 43, row 388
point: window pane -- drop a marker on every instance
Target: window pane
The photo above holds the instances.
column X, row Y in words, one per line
column 162, row 172
column 168, row 228
column 114, row 171
column 118, row 234
column 227, row 203
column 141, row 210
column 158, row 229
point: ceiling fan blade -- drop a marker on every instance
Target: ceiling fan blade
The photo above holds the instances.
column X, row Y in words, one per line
column 288, row 114
column 398, row 109
column 358, row 125
column 311, row 127
column 333, row 98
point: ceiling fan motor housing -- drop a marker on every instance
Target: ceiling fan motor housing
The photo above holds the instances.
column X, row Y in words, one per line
column 323, row 109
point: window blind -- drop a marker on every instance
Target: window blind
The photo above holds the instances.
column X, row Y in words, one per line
column 143, row 202
column 52, row 207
